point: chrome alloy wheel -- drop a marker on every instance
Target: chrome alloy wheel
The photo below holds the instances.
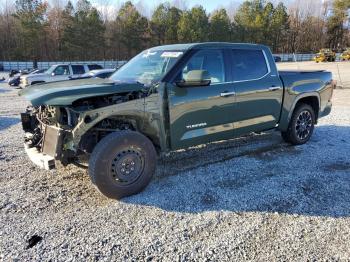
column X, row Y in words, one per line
column 127, row 166
column 303, row 126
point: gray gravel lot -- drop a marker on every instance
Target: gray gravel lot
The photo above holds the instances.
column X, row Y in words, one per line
column 253, row 198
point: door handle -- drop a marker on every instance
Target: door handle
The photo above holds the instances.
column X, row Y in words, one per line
column 225, row 94
column 274, row 88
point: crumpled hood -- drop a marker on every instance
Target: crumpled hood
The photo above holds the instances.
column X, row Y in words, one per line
column 64, row 93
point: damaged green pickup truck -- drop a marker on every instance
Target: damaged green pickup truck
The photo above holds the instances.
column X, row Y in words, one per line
column 168, row 98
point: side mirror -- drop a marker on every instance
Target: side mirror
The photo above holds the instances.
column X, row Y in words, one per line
column 195, row 78
column 53, row 74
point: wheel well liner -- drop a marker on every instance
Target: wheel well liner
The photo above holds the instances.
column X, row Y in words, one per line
column 135, row 124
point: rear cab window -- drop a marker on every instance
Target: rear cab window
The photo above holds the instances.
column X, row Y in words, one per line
column 248, row 64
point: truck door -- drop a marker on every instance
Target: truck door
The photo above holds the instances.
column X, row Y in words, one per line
column 259, row 90
column 60, row 73
column 200, row 114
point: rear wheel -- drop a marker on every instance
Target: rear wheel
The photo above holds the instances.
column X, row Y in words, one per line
column 122, row 164
column 301, row 125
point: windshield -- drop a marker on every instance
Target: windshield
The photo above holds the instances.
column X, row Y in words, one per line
column 147, row 67
column 50, row 70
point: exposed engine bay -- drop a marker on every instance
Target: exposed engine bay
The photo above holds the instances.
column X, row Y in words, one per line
column 48, row 128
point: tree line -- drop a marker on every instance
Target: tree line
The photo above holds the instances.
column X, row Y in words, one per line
column 34, row 30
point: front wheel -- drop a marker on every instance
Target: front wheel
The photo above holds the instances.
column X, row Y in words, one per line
column 301, row 125
column 122, row 164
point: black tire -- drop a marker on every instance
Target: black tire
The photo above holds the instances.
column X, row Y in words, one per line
column 301, row 125
column 122, row 164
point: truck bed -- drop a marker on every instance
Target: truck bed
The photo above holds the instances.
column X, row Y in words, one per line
column 313, row 79
column 297, row 84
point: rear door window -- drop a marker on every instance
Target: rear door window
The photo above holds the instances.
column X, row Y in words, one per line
column 248, row 64
column 78, row 69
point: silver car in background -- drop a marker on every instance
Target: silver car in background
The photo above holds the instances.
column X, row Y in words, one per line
column 99, row 73
column 58, row 72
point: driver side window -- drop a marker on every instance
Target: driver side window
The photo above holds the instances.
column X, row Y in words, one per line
column 209, row 60
column 62, row 70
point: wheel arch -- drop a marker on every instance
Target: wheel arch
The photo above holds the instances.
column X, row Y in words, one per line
column 134, row 122
column 311, row 98
column 313, row 101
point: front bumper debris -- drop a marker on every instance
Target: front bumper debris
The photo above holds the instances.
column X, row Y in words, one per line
column 40, row 159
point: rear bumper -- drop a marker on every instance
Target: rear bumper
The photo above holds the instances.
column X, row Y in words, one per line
column 327, row 110
column 42, row 160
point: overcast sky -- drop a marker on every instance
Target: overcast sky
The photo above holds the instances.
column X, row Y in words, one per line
column 147, row 6
column 209, row 5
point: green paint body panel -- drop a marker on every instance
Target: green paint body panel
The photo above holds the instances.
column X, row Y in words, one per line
column 179, row 117
column 64, row 93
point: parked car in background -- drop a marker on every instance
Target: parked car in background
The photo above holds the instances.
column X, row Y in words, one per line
column 100, row 73
column 13, row 72
column 14, row 76
column 15, row 79
column 168, row 98
column 277, row 58
column 345, row 56
column 58, row 72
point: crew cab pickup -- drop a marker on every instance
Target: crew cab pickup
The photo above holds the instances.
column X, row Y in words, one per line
column 168, row 98
column 57, row 72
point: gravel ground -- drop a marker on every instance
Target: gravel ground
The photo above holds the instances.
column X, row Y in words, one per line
column 253, row 198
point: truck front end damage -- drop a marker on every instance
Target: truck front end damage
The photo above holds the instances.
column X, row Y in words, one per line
column 46, row 128
column 66, row 127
